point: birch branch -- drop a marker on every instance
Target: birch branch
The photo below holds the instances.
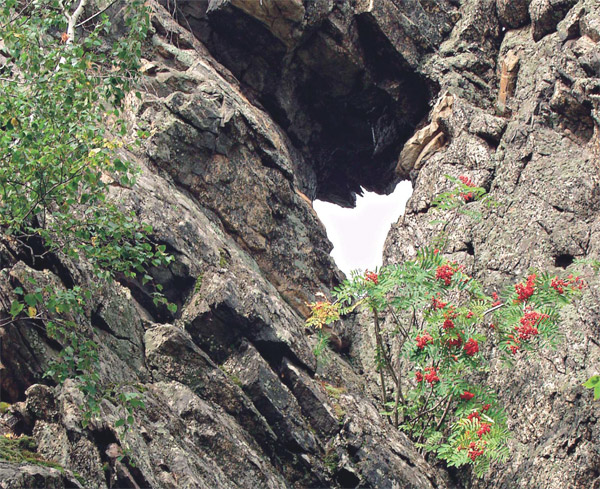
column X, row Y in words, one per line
column 72, row 20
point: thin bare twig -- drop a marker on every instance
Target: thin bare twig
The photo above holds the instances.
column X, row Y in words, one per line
column 492, row 309
column 100, row 12
column 16, row 16
column 445, row 413
column 381, row 357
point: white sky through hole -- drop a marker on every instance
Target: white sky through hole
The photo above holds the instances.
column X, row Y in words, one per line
column 358, row 234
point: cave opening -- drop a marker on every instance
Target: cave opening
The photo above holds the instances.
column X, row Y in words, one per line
column 340, row 89
column 358, row 234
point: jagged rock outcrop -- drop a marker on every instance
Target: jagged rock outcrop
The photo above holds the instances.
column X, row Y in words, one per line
column 338, row 77
column 255, row 108
column 204, row 425
column 33, row 475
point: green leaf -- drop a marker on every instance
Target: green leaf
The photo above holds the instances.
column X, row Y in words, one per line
column 592, row 382
column 172, row 307
column 16, row 308
column 31, row 299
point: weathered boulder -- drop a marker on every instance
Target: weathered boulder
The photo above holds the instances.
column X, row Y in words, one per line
column 513, row 14
column 546, row 14
column 27, row 476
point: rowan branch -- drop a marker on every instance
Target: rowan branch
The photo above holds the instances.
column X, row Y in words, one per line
column 492, row 309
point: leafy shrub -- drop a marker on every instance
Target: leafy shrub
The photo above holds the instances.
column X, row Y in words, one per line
column 436, row 330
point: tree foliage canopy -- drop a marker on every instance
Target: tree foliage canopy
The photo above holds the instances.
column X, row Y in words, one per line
column 67, row 70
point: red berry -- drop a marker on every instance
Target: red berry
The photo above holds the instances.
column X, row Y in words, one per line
column 424, row 340
column 471, row 347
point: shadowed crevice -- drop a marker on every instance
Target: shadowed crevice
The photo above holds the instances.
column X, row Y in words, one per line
column 348, row 102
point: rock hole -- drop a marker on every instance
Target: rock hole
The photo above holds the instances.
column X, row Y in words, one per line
column 176, row 280
column 69, row 484
column 21, row 363
column 470, row 249
column 102, row 439
column 37, row 256
column 358, row 235
column 217, row 332
column 99, row 322
column 347, row 479
column 119, row 472
column 563, row 260
column 350, row 119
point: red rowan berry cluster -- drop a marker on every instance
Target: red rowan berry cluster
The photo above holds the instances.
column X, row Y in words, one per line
column 474, row 415
column 432, row 375
column 525, row 291
column 467, row 196
column 471, row 347
column 448, row 324
column 475, row 450
column 529, row 321
column 573, row 282
column 485, row 429
column 445, row 273
column 449, row 315
column 466, row 180
column 438, row 304
column 424, row 340
column 371, row 277
column 528, row 328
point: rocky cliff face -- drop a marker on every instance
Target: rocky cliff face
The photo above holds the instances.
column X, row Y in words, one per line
column 521, row 118
column 255, row 108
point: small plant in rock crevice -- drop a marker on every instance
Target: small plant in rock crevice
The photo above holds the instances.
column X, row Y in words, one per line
column 436, row 331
